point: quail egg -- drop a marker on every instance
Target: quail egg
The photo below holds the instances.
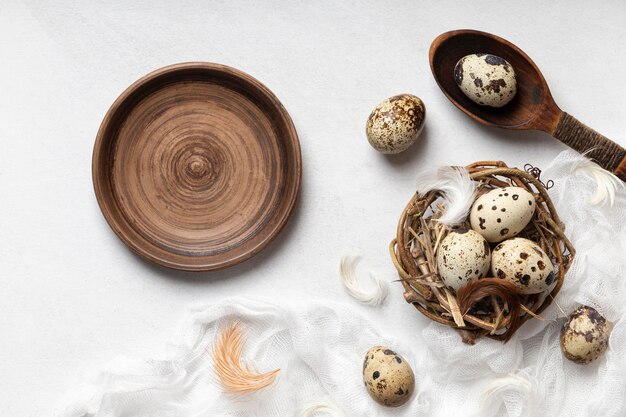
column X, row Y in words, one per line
column 387, row 376
column 396, row 123
column 524, row 263
column 502, row 213
column 462, row 257
column 486, row 79
column 585, row 335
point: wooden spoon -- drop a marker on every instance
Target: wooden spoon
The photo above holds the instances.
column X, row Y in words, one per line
column 533, row 106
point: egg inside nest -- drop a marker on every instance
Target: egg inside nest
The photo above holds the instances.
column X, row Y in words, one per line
column 463, row 256
column 502, row 213
column 523, row 263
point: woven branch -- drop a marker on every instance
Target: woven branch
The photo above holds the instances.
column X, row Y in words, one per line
column 414, row 251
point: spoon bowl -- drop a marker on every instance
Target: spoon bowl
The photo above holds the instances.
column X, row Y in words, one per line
column 532, row 108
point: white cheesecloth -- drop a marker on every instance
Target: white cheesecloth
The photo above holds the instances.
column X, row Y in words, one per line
column 319, row 347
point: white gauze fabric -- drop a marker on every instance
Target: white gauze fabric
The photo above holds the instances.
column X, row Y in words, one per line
column 319, row 347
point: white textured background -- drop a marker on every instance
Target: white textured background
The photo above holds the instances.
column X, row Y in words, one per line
column 72, row 296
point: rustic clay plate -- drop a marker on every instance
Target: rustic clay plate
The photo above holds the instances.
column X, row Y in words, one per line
column 197, row 166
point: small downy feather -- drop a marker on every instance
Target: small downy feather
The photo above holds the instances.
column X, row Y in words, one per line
column 321, row 408
column 373, row 297
column 459, row 192
column 503, row 388
column 606, row 182
column 234, row 375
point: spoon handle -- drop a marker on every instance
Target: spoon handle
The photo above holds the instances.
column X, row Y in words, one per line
column 606, row 153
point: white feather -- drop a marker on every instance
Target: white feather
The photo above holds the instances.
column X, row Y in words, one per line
column 322, row 408
column 501, row 390
column 606, row 182
column 373, row 297
column 459, row 192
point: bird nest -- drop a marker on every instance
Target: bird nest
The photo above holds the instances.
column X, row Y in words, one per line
column 485, row 307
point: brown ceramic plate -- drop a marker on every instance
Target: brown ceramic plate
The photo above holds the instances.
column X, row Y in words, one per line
column 197, row 166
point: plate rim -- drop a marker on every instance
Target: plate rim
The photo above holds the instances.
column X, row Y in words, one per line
column 102, row 139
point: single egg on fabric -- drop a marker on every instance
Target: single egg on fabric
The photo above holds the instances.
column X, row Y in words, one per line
column 462, row 257
column 486, row 79
column 502, row 213
column 387, row 376
column 523, row 263
column 585, row 335
column 396, row 123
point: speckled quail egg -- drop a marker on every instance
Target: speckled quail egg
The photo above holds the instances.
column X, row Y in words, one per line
column 462, row 257
column 585, row 335
column 387, row 376
column 502, row 213
column 486, row 79
column 524, row 263
column 396, row 123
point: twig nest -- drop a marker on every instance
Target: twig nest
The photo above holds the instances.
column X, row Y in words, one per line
column 387, row 376
column 523, row 263
column 462, row 257
column 585, row 335
column 396, row 123
column 530, row 253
